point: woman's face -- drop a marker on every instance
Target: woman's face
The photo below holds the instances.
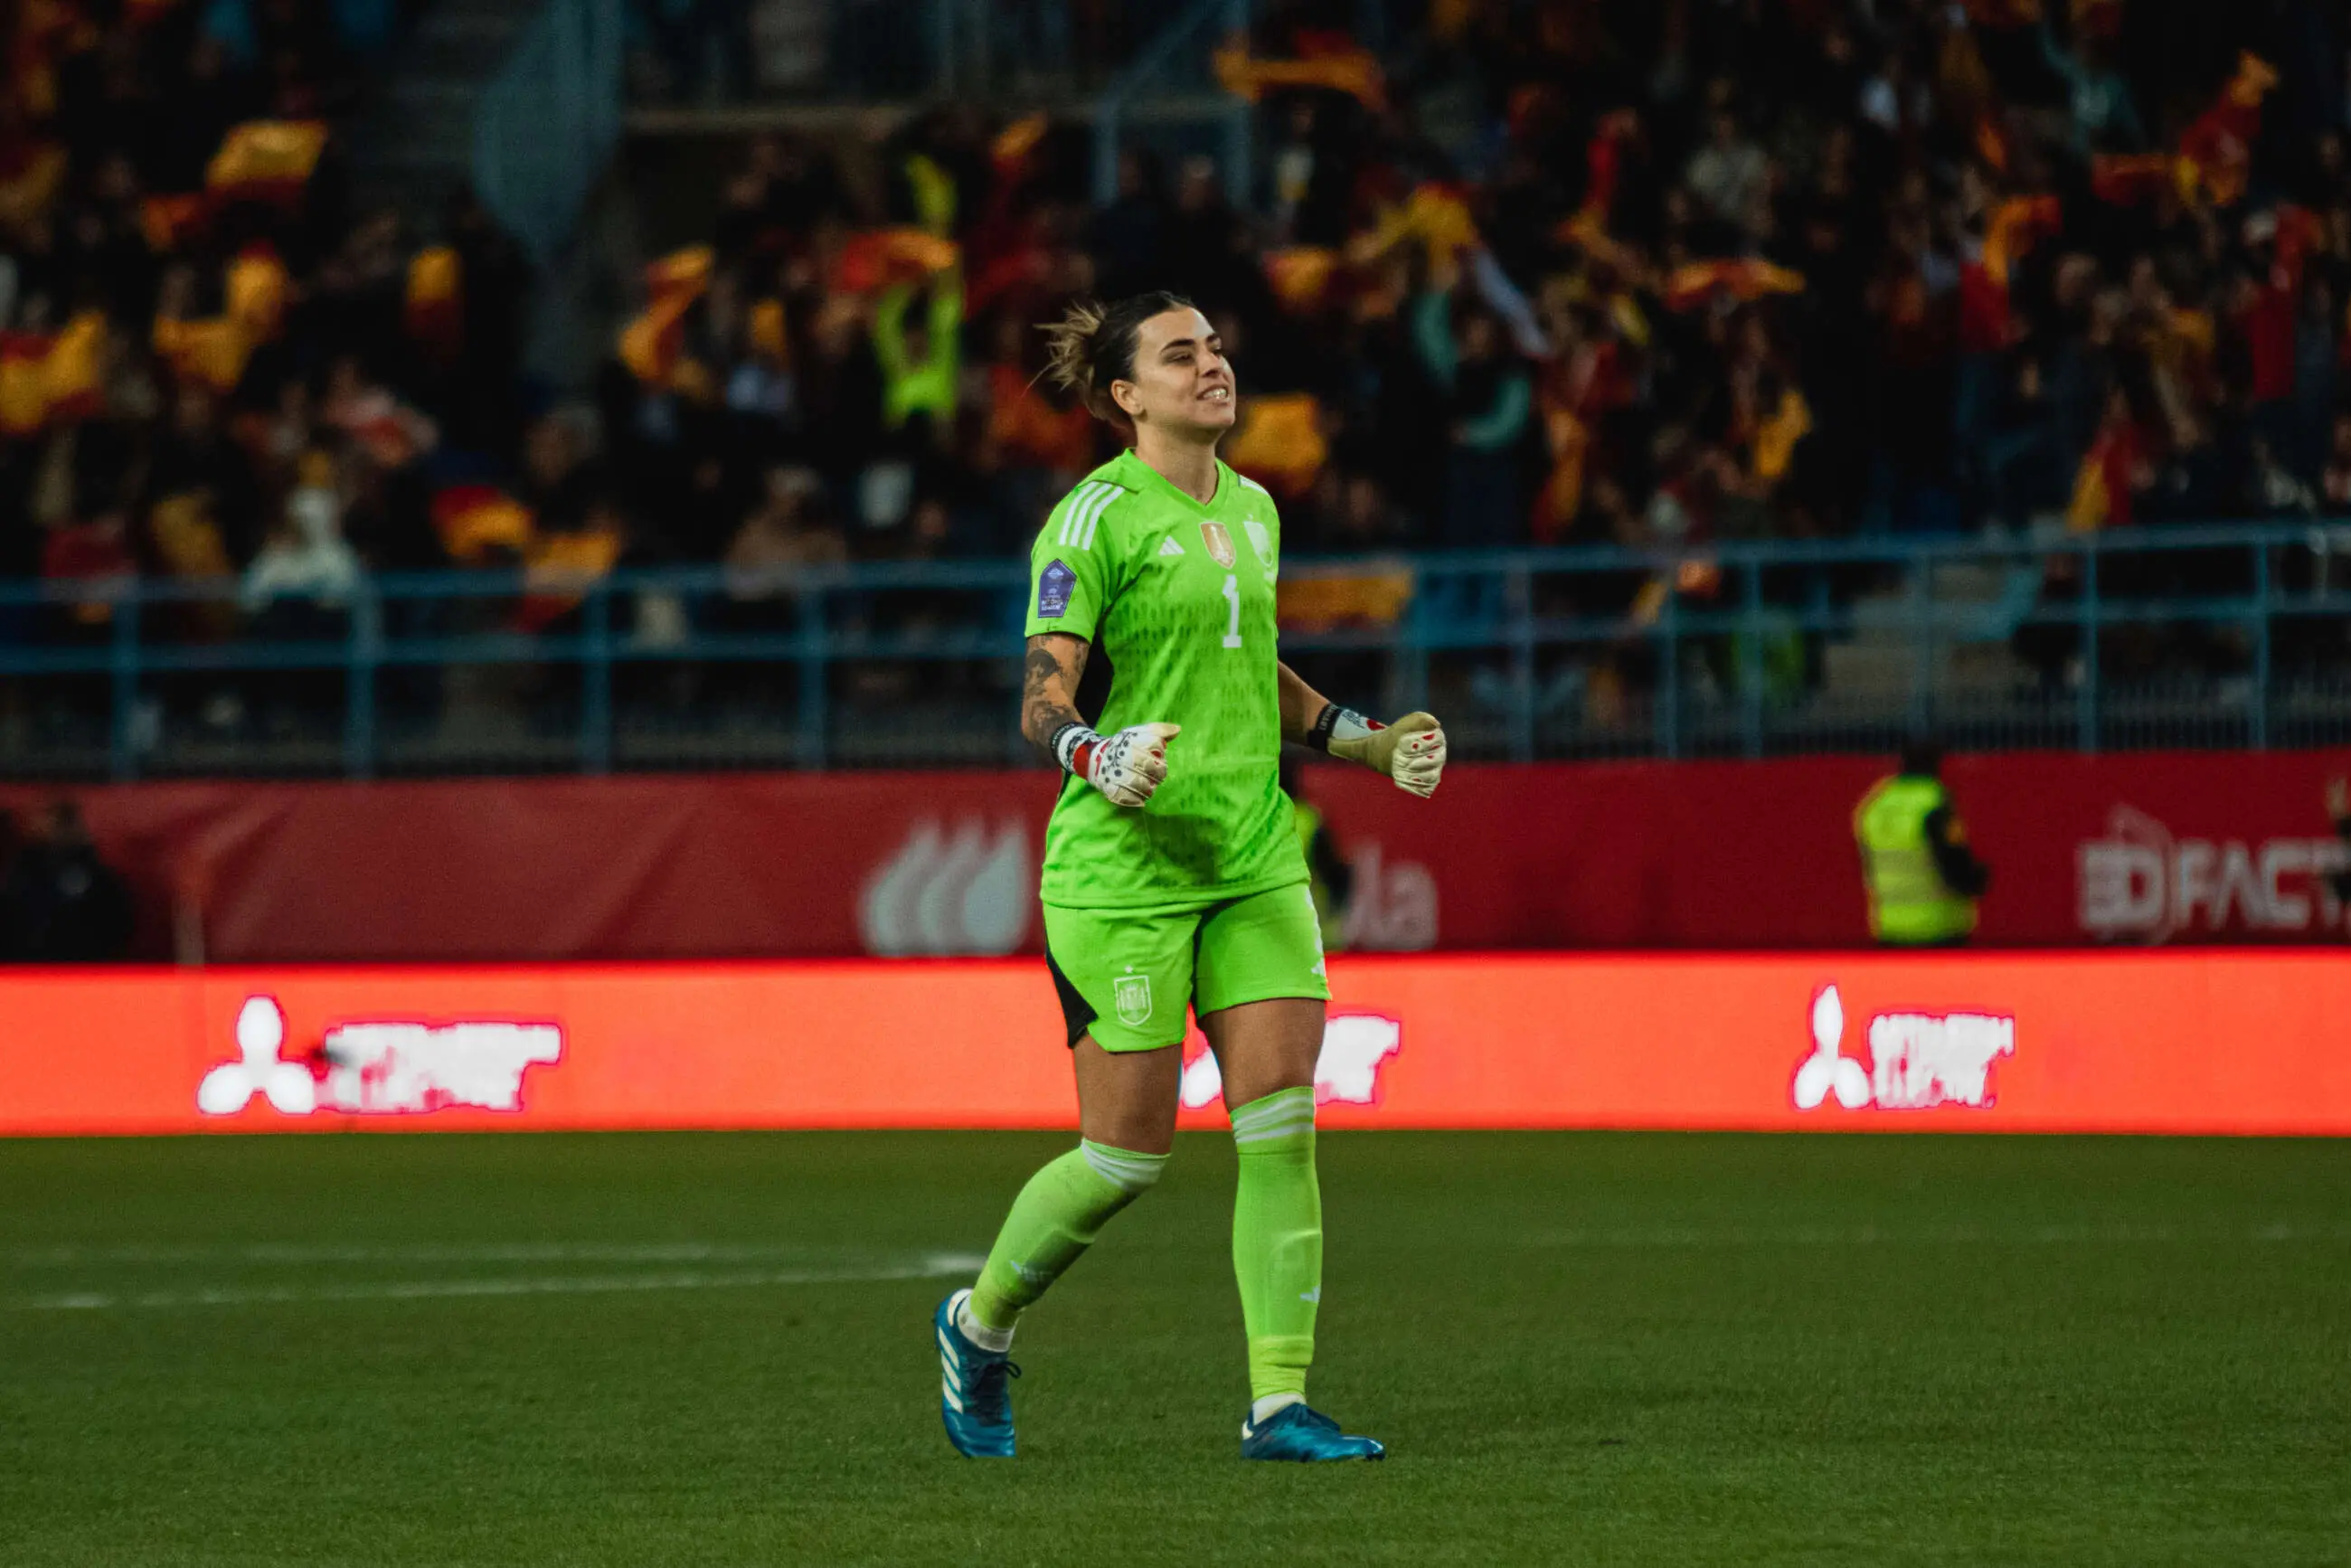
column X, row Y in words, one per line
column 1182, row 380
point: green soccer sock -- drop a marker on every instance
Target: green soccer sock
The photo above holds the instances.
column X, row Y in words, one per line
column 1053, row 1221
column 1277, row 1239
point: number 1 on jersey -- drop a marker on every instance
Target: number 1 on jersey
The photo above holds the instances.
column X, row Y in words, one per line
column 1233, row 598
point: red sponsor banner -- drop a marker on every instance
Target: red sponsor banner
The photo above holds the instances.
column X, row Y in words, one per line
column 2140, row 849
column 2213, row 1041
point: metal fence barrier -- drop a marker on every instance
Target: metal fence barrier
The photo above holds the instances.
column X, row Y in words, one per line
column 2230, row 635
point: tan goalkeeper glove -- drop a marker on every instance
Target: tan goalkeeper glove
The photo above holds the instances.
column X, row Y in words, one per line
column 1411, row 751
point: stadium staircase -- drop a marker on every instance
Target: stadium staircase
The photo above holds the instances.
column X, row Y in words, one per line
column 518, row 98
column 413, row 141
column 1974, row 607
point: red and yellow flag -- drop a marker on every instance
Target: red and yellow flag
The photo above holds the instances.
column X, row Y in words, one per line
column 1694, row 283
column 1347, row 68
column 256, row 287
column 1301, row 275
column 52, row 378
column 2014, row 227
column 1436, row 214
column 212, row 352
column 432, row 305
column 475, row 521
column 2215, row 157
column 651, row 344
column 1279, row 441
column 879, row 257
column 2216, row 153
column 557, row 568
column 24, row 382
column 170, row 222
column 266, row 160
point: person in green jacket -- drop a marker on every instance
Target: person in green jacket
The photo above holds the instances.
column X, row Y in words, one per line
column 1922, row 878
column 920, row 359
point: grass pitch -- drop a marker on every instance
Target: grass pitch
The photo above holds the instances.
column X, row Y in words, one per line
column 714, row 1349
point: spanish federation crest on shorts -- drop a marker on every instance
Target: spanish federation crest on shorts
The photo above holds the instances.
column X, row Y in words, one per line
column 1219, row 541
column 1131, row 994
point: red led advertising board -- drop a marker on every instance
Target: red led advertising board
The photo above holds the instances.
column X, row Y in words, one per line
column 2214, row 1040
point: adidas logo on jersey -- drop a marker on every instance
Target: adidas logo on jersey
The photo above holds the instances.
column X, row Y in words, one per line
column 1169, row 546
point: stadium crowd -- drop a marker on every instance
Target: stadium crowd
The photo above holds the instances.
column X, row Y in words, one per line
column 1582, row 271
column 1645, row 273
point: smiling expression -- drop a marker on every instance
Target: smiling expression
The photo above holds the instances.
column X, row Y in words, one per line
column 1182, row 380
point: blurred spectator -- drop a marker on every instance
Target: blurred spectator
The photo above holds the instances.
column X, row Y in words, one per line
column 1729, row 175
column 1657, row 276
column 60, row 903
column 304, row 575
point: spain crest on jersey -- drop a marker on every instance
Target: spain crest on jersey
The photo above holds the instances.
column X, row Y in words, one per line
column 1219, row 541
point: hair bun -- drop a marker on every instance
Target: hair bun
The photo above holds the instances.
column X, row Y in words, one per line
column 1069, row 349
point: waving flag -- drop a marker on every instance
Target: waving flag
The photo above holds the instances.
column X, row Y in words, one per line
column 1346, row 68
column 1279, row 440
column 267, row 161
column 2215, row 156
column 475, row 521
column 1694, row 283
column 432, row 305
column 652, row 345
column 879, row 257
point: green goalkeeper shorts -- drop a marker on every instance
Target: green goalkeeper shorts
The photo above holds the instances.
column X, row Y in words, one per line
column 1125, row 975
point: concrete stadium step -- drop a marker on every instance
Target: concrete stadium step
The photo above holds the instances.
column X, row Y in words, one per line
column 1974, row 605
column 412, row 144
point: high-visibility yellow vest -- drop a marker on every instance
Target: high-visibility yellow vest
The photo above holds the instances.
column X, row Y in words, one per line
column 1327, row 913
column 1909, row 901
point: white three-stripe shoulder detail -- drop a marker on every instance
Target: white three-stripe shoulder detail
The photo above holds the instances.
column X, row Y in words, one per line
column 1090, row 518
column 1070, row 510
column 1075, row 510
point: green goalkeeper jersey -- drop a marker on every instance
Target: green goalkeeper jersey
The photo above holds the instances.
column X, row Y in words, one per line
column 1177, row 597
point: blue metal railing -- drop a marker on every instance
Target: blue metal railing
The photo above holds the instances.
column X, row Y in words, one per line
column 546, row 125
column 1189, row 38
column 2232, row 635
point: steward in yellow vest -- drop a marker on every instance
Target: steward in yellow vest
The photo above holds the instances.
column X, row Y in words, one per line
column 1329, row 876
column 1922, row 880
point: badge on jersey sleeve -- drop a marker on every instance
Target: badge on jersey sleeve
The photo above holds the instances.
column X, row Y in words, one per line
column 1053, row 586
column 1219, row 541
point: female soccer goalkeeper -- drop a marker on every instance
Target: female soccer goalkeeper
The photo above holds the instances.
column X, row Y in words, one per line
column 1173, row 873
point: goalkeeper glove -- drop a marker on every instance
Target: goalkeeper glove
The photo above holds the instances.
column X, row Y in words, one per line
column 1411, row 751
column 1126, row 767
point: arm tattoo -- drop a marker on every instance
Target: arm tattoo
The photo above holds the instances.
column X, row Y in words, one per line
column 1043, row 708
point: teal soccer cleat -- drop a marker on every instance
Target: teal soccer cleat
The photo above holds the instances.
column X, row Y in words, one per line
column 1308, row 1436
column 975, row 1388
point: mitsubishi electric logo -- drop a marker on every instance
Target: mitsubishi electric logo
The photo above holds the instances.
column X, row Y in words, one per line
column 969, row 892
column 1916, row 1060
column 377, row 1068
column 1355, row 1046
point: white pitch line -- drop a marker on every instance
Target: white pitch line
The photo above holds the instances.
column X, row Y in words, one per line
column 929, row 1266
column 1948, row 1236
column 140, row 1254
